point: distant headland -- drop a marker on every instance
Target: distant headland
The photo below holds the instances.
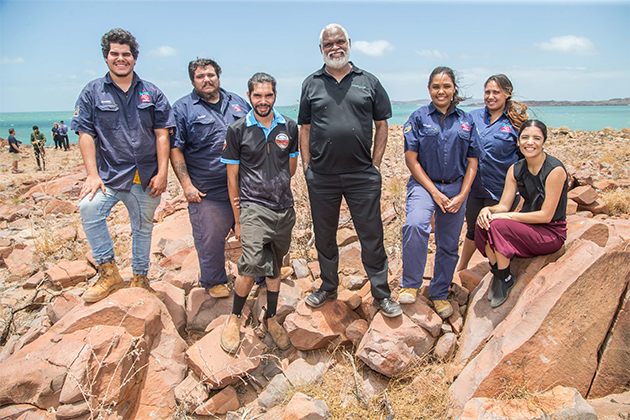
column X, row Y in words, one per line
column 479, row 102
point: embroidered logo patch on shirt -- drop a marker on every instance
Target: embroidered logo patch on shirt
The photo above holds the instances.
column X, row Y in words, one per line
column 282, row 140
column 224, row 144
column 145, row 97
column 76, row 111
column 237, row 108
column 506, row 128
column 407, row 128
column 465, row 126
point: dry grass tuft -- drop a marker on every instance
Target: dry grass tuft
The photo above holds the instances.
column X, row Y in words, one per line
column 618, row 201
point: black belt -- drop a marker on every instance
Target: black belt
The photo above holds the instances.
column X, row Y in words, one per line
column 447, row 182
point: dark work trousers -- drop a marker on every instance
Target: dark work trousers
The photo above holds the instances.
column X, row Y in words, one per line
column 65, row 143
column 362, row 191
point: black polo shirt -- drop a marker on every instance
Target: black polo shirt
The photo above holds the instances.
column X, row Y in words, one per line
column 341, row 115
column 263, row 158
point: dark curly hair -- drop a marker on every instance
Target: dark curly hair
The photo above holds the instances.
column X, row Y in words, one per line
column 202, row 62
column 119, row 36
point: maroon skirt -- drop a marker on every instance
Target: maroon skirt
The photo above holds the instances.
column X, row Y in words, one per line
column 510, row 238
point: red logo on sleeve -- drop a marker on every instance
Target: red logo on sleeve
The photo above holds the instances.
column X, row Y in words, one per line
column 465, row 126
column 506, row 128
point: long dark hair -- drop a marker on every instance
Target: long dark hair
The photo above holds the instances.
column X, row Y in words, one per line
column 516, row 111
column 534, row 123
column 456, row 98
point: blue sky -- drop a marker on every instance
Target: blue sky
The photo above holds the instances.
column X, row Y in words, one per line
column 563, row 50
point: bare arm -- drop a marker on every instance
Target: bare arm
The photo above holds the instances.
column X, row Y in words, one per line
column 305, row 140
column 181, row 171
column 293, row 162
column 411, row 159
column 457, row 201
column 233, row 191
column 93, row 182
column 163, row 145
column 380, row 142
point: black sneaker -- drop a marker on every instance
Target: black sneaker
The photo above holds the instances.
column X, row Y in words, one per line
column 502, row 291
column 388, row 306
column 318, row 298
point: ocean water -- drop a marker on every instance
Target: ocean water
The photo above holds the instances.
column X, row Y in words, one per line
column 587, row 118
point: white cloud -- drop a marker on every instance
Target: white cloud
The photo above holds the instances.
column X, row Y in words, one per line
column 163, row 51
column 569, row 44
column 432, row 53
column 12, row 60
column 374, row 48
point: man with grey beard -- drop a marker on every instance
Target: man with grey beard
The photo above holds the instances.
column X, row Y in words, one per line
column 339, row 102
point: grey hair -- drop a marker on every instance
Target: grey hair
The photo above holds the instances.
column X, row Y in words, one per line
column 261, row 78
column 330, row 27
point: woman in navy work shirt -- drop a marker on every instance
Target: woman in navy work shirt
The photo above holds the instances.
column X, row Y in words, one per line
column 540, row 227
column 441, row 151
column 497, row 124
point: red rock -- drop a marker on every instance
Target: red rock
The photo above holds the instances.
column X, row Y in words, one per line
column 314, row 328
column 12, row 212
column 191, row 262
column 302, row 407
column 34, row 281
column 553, row 334
column 219, row 369
column 220, row 403
column 170, row 230
column 596, row 207
column 606, row 185
column 459, row 294
column 356, row 331
column 191, row 393
column 613, row 371
column 61, row 305
column 585, row 194
column 53, row 187
column 611, row 407
column 346, row 236
column 56, row 206
column 583, row 177
column 469, row 279
column 290, row 295
column 68, row 233
column 455, row 320
column 423, row 316
column 558, row 403
column 175, row 302
column 572, row 207
column 445, row 347
column 186, row 280
column 24, row 262
column 70, row 273
column 350, row 260
column 314, row 268
column 350, row 298
column 392, row 345
column 201, row 309
column 354, row 282
column 175, row 261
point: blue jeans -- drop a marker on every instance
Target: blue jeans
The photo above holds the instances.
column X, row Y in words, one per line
column 141, row 208
column 419, row 208
column 211, row 222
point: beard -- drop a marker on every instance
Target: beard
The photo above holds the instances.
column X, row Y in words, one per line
column 263, row 114
column 337, row 63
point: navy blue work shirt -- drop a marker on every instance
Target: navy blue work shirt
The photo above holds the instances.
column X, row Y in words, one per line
column 122, row 125
column 498, row 140
column 200, row 134
column 443, row 148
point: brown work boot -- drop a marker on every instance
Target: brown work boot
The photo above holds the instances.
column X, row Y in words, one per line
column 443, row 308
column 142, row 281
column 277, row 331
column 231, row 334
column 109, row 281
column 219, row 291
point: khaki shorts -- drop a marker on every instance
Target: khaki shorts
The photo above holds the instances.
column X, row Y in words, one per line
column 15, row 156
column 265, row 239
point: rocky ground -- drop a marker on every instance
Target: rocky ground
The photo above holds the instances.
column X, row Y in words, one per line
column 560, row 338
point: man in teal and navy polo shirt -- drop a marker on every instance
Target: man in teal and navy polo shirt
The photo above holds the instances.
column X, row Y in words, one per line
column 123, row 124
column 261, row 152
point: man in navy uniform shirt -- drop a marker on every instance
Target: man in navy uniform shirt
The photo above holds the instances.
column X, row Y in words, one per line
column 339, row 102
column 123, row 124
column 261, row 152
column 202, row 118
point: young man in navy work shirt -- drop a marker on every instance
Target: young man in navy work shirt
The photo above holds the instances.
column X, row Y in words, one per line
column 202, row 118
column 123, row 124
column 261, row 152
column 339, row 102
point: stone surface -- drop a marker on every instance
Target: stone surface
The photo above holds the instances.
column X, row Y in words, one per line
column 391, row 345
column 70, row 273
column 300, row 268
column 185, row 280
column 219, row 369
column 301, row 374
column 356, row 331
column 598, row 206
column 290, row 294
column 423, row 316
column 276, row 392
column 191, row 393
column 220, row 403
column 61, row 305
column 201, row 309
column 175, row 302
column 350, row 298
column 314, row 328
column 558, row 403
column 584, row 194
column 354, row 282
column 24, row 262
column 612, row 407
column 346, row 236
column 572, row 207
column 445, row 347
column 554, row 332
column 175, row 261
column 302, row 407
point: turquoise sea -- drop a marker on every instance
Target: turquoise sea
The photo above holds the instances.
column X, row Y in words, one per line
column 587, row 118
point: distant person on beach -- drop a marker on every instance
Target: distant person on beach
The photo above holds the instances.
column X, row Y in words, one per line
column 497, row 125
column 56, row 136
column 540, row 227
column 338, row 105
column 14, row 149
column 261, row 152
column 202, row 118
column 123, row 124
column 63, row 132
column 441, row 151
column 38, row 140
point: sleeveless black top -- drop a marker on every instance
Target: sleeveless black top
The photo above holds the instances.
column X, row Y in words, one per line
column 532, row 187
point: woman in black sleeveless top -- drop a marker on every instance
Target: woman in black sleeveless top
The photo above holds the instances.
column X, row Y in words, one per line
column 540, row 227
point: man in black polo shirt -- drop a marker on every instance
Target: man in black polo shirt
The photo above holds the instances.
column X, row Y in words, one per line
column 261, row 153
column 338, row 105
